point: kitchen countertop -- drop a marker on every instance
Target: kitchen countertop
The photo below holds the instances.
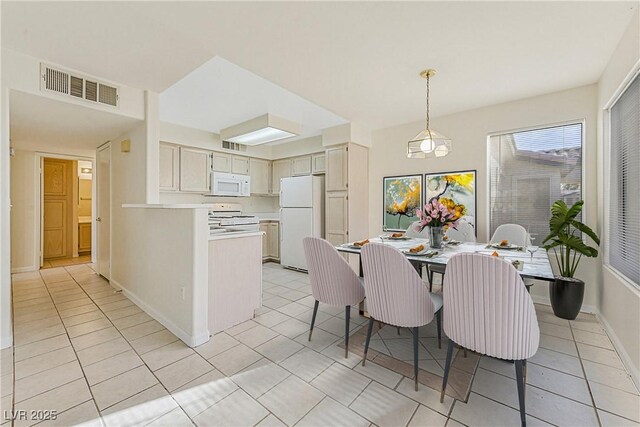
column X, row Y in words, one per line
column 234, row 235
column 168, row 205
column 268, row 216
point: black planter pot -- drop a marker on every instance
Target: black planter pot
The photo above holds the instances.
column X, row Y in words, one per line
column 566, row 296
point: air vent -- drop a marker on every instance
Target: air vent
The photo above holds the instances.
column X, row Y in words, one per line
column 234, row 146
column 64, row 82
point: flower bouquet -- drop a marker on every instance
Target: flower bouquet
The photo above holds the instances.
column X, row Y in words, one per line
column 436, row 215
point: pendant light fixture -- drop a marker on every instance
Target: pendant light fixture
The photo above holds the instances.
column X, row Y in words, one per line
column 428, row 143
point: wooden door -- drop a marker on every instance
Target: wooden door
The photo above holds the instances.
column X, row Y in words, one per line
column 274, row 240
column 301, row 166
column 221, row 162
column 260, row 176
column 281, row 169
column 103, row 207
column 264, row 227
column 57, row 207
column 240, row 165
column 169, row 162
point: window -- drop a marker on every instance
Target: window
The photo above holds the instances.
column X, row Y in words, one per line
column 531, row 169
column 624, row 184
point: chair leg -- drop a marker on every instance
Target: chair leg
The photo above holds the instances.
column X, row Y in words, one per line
column 398, row 329
column 439, row 324
column 464, row 352
column 366, row 343
column 446, row 369
column 430, row 280
column 313, row 317
column 524, row 376
column 520, row 382
column 415, row 356
column 347, row 316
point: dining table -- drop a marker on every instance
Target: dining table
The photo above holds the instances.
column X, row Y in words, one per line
column 534, row 265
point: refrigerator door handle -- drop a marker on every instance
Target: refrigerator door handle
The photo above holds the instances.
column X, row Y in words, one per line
column 281, row 226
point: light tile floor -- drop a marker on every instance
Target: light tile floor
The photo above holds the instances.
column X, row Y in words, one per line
column 90, row 354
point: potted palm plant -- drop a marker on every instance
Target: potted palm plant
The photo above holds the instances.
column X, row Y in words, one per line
column 566, row 292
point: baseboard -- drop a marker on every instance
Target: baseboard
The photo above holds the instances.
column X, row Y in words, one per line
column 624, row 356
column 24, row 269
column 545, row 301
column 190, row 340
column 6, row 342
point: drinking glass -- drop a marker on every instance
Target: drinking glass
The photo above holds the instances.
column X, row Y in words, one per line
column 532, row 249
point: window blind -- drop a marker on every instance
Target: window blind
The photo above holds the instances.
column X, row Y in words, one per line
column 531, row 169
column 624, row 188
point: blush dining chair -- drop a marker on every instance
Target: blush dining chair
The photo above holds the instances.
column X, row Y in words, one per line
column 488, row 310
column 512, row 233
column 412, row 232
column 396, row 295
column 332, row 281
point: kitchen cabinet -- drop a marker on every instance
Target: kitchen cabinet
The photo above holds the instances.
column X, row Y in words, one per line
column 274, row 240
column 336, row 217
column 317, row 164
column 221, row 162
column 84, row 237
column 337, row 169
column 281, row 169
column 169, row 167
column 301, row 166
column 195, row 167
column 264, row 227
column 260, row 172
column 240, row 165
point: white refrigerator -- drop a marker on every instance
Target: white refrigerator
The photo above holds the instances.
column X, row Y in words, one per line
column 301, row 215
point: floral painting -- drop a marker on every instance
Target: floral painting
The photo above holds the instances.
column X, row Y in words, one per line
column 402, row 197
column 455, row 190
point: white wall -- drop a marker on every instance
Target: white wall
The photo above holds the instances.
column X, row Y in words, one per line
column 468, row 130
column 23, row 212
column 618, row 300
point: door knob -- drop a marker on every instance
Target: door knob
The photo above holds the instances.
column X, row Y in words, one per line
column 98, row 219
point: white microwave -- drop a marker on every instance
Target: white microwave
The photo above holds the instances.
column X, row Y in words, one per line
column 230, row 185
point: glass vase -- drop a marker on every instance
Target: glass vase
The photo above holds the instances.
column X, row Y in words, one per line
column 435, row 237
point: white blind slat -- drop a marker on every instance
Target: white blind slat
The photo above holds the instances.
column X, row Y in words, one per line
column 624, row 190
column 531, row 169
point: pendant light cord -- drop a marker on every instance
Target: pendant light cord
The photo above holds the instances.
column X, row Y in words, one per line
column 427, row 91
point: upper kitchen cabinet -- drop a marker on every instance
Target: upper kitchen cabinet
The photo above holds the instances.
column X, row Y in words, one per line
column 221, row 162
column 240, row 165
column 317, row 163
column 337, row 169
column 195, row 167
column 301, row 166
column 169, row 164
column 260, row 172
column 281, row 169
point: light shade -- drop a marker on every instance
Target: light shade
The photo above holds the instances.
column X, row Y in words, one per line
column 428, row 143
column 263, row 129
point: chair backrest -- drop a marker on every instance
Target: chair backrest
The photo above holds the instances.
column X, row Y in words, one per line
column 464, row 232
column 332, row 280
column 412, row 232
column 395, row 293
column 487, row 307
column 515, row 234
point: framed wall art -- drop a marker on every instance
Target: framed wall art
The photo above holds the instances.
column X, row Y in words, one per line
column 456, row 190
column 402, row 195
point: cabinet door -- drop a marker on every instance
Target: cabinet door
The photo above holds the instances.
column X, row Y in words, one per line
column 260, row 172
column 336, row 163
column 281, row 169
column 264, row 227
column 169, row 164
column 301, row 166
column 84, row 237
column 221, row 162
column 336, row 217
column 195, row 167
column 317, row 163
column 240, row 165
column 274, row 240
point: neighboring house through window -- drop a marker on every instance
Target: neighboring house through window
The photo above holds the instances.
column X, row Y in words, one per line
column 531, row 169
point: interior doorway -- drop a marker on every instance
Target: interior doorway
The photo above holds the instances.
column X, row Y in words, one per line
column 66, row 211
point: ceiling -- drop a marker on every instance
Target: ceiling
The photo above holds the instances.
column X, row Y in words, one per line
column 219, row 94
column 44, row 124
column 359, row 60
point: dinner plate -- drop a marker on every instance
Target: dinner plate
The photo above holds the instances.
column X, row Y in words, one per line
column 397, row 238
column 508, row 247
column 425, row 251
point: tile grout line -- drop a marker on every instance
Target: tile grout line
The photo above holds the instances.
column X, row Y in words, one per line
column 143, row 363
column 586, row 378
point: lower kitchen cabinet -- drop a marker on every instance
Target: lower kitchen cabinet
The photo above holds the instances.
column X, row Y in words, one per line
column 270, row 240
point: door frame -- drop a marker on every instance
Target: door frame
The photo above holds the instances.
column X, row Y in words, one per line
column 94, row 205
column 39, row 202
